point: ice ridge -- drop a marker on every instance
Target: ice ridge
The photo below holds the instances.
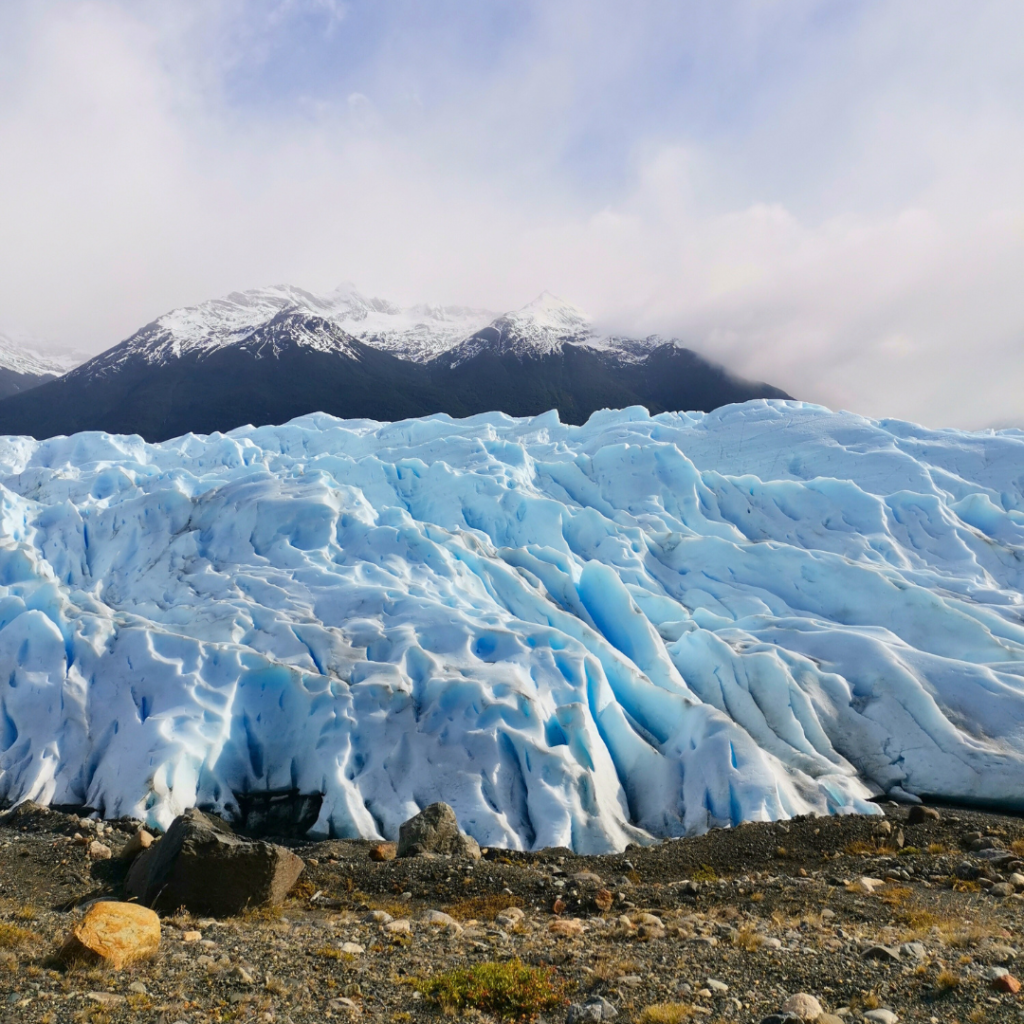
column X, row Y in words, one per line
column 577, row 636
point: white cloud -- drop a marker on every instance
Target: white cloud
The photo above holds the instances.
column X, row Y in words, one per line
column 854, row 233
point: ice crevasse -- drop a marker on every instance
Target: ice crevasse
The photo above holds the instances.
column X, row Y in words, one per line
column 577, row 636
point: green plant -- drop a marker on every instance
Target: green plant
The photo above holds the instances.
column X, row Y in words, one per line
column 511, row 990
column 705, row 873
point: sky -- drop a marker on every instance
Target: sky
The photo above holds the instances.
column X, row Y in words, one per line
column 824, row 194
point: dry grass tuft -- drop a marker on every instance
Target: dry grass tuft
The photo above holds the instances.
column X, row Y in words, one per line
column 749, row 938
column 482, row 908
column 666, row 1013
column 947, row 980
column 705, row 873
column 11, row 936
column 895, row 895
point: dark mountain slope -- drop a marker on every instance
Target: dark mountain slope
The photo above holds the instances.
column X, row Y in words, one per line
column 298, row 363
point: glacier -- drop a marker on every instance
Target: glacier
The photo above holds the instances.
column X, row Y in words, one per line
column 577, row 636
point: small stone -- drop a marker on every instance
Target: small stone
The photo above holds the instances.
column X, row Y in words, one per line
column 351, row 948
column 915, row 950
column 99, row 851
column 1016, row 880
column 1006, row 983
column 344, row 1005
column 558, row 906
column 240, row 975
column 105, row 998
column 510, row 917
column 142, row 840
column 137, row 988
column 1002, row 954
column 883, row 828
column 115, row 934
column 439, row 919
column 827, row 915
column 881, row 1016
column 403, row 926
column 383, row 851
column 191, row 936
column 378, row 917
column 1001, row 890
column 918, row 814
column 566, row 927
column 864, row 884
column 584, row 1013
column 206, row 962
column 717, row 986
column 803, row 1006
column 830, row 1018
column 886, row 953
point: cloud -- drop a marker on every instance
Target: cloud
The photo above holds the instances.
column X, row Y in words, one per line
column 829, row 198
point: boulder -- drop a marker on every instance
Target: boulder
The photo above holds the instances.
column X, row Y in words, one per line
column 802, row 1006
column 435, row 830
column 113, row 934
column 202, row 866
column 919, row 814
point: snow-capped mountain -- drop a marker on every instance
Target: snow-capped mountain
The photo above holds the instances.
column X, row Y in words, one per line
column 417, row 333
column 22, row 366
column 268, row 355
column 576, row 636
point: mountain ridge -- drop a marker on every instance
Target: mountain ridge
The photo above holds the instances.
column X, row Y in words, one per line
column 269, row 355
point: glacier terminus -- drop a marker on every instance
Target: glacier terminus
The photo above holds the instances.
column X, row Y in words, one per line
column 582, row 636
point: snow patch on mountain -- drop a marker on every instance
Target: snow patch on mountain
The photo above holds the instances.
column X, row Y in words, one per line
column 329, row 323
column 576, row 636
column 20, row 352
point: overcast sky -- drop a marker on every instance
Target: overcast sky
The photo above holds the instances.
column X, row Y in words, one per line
column 826, row 194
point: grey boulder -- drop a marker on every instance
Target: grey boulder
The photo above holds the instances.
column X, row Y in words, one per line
column 435, row 830
column 201, row 865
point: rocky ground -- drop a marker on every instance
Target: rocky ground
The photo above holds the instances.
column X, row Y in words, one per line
column 878, row 919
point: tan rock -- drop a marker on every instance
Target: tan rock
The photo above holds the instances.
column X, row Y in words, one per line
column 567, row 927
column 804, row 1006
column 191, row 936
column 98, row 851
column 142, row 840
column 116, row 934
column 384, row 851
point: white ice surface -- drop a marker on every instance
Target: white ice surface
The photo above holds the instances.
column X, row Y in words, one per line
column 571, row 634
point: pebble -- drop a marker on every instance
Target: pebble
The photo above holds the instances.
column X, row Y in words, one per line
column 439, row 919
column 717, row 986
column 99, row 851
column 1001, row 890
column 566, row 927
column 1006, row 983
column 881, row 1016
column 378, row 917
column 1016, row 880
column 138, row 988
column 803, row 1006
column 351, row 948
column 915, row 950
column 866, row 885
column 105, row 998
column 510, row 918
column 886, row 953
column 403, row 926
column 191, row 936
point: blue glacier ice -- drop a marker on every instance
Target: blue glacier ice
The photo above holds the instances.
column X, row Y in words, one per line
column 579, row 636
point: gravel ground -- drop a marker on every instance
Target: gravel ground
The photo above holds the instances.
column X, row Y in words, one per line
column 724, row 926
